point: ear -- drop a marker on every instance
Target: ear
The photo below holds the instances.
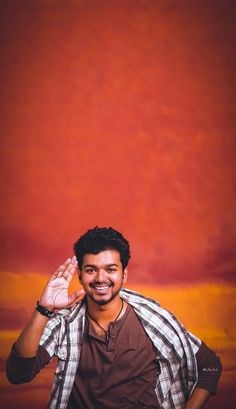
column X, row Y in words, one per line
column 125, row 274
column 80, row 276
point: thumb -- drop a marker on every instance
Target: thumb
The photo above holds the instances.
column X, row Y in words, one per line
column 76, row 296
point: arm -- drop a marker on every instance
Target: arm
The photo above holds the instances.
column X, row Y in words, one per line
column 54, row 296
column 198, row 399
column 28, row 341
column 209, row 371
column 20, row 370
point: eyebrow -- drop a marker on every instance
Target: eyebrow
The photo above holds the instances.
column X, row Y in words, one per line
column 106, row 265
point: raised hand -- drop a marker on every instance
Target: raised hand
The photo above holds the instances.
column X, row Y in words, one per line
column 55, row 294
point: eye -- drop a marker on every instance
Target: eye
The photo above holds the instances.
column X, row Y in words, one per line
column 89, row 270
column 111, row 269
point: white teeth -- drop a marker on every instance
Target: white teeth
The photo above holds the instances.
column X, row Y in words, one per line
column 101, row 288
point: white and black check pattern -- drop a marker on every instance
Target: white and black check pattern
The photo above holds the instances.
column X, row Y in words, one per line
column 175, row 350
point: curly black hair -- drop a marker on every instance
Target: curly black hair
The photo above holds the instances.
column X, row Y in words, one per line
column 99, row 239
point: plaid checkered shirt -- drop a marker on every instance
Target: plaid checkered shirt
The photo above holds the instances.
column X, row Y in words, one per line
column 175, row 350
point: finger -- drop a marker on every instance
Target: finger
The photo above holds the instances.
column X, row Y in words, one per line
column 79, row 293
column 70, row 260
column 60, row 270
column 69, row 272
column 57, row 273
column 77, row 296
column 74, row 260
column 66, row 263
column 69, row 263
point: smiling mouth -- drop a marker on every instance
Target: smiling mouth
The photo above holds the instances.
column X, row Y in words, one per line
column 101, row 287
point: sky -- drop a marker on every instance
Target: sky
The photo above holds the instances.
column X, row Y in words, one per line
column 121, row 114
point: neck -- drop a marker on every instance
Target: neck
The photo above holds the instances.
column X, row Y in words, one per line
column 105, row 312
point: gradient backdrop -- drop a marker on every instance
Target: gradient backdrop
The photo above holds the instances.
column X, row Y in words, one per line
column 121, row 113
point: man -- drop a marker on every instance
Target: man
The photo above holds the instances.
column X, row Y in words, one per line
column 115, row 348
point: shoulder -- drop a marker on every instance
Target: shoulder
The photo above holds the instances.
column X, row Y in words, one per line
column 132, row 296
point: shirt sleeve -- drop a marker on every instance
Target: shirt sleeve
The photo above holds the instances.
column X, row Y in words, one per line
column 20, row 369
column 209, row 369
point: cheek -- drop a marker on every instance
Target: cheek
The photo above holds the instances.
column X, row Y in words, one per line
column 87, row 279
column 82, row 279
column 118, row 279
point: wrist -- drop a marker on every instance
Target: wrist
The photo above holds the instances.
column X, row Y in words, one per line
column 45, row 311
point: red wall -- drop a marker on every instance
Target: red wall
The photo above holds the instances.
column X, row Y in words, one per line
column 121, row 113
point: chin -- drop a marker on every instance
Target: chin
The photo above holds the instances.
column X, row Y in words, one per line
column 101, row 301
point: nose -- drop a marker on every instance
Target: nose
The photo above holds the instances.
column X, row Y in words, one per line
column 101, row 275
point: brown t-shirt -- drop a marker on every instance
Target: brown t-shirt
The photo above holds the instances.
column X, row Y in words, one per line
column 120, row 373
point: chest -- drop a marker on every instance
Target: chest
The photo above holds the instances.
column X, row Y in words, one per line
column 127, row 348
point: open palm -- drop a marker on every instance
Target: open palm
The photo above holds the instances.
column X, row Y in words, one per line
column 55, row 294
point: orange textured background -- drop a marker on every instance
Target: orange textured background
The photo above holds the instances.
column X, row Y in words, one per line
column 121, row 113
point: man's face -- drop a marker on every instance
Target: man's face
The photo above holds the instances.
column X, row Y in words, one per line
column 102, row 276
